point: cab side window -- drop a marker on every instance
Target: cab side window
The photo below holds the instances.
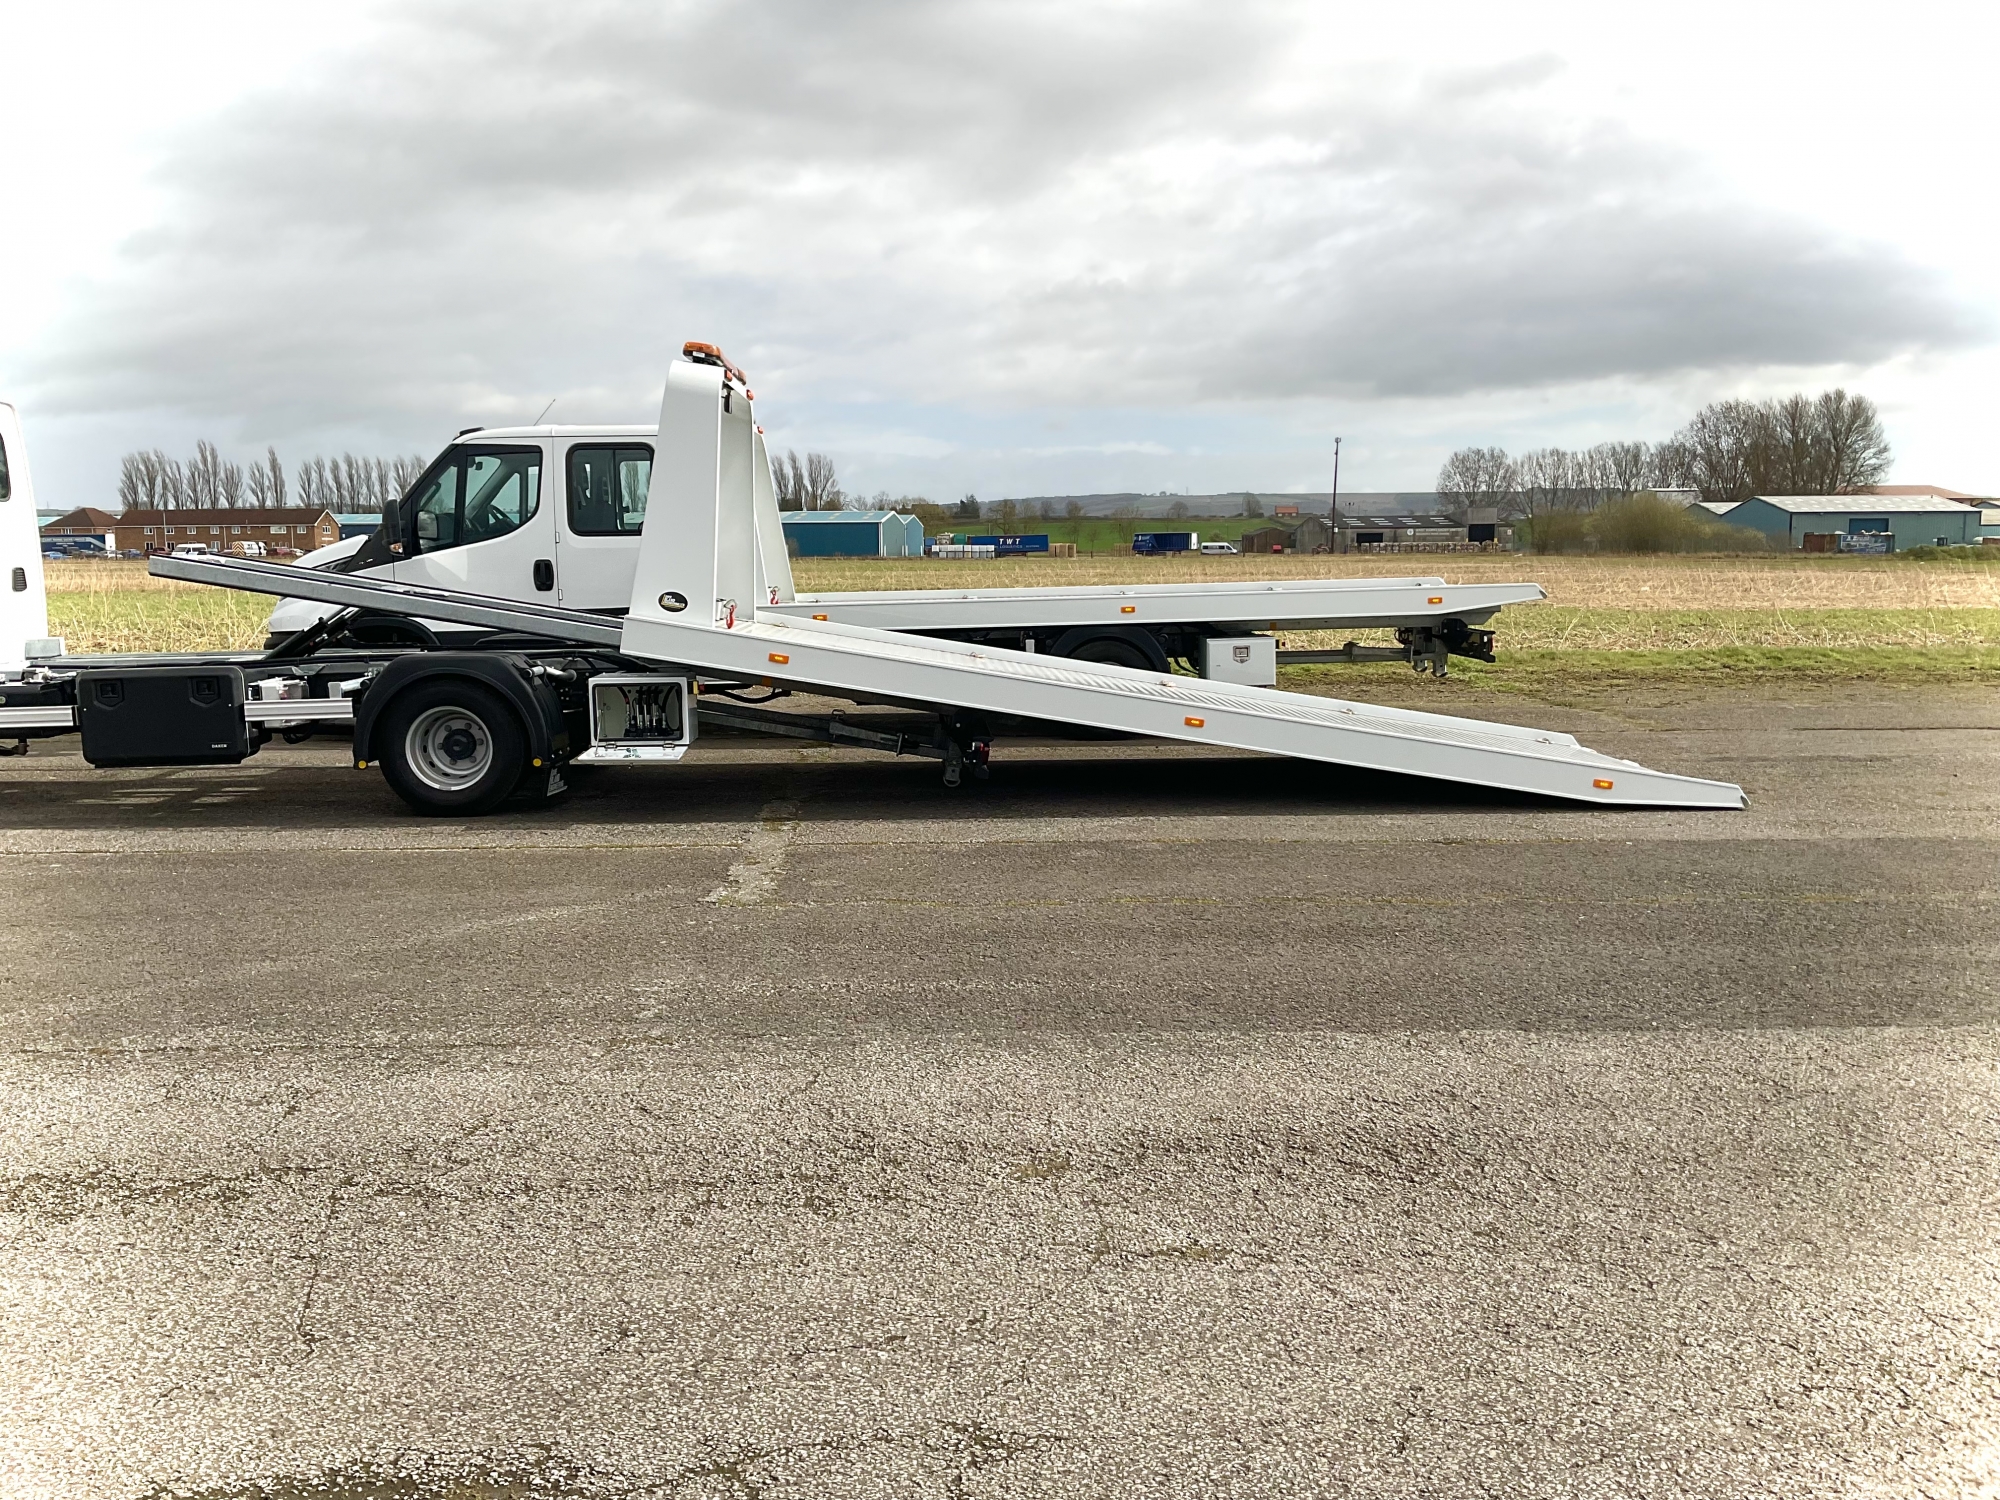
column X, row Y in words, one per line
column 607, row 488
column 474, row 496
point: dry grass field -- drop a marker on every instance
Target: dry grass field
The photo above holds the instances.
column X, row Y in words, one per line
column 1677, row 616
column 1699, row 582
column 118, row 606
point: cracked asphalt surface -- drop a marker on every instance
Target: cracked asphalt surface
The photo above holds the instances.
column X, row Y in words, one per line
column 1144, row 1122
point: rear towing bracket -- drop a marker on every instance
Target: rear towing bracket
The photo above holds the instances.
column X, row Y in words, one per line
column 1426, row 648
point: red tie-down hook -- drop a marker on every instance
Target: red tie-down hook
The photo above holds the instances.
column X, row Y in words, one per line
column 729, row 615
column 774, row 595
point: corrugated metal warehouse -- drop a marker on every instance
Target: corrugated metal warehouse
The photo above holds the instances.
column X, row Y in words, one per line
column 1908, row 520
column 853, row 533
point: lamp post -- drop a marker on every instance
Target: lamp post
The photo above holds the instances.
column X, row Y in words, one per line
column 1333, row 510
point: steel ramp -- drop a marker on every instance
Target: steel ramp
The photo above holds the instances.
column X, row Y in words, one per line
column 846, row 659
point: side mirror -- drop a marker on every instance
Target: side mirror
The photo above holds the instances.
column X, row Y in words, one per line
column 427, row 526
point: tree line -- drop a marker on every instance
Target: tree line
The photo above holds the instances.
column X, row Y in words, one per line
column 152, row 480
column 1830, row 444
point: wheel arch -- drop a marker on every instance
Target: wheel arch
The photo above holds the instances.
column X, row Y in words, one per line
column 534, row 704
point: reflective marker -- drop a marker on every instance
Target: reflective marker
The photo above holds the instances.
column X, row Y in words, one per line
column 1128, row 609
column 819, row 617
column 1601, row 784
column 1192, row 722
column 779, row 657
column 1437, row 599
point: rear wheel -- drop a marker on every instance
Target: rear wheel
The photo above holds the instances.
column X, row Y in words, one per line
column 1112, row 652
column 451, row 747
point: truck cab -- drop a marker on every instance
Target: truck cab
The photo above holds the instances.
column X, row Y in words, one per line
column 523, row 513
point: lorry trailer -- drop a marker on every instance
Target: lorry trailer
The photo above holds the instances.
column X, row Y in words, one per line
column 460, row 729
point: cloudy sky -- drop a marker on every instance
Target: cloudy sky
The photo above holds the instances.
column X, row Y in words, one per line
column 1013, row 248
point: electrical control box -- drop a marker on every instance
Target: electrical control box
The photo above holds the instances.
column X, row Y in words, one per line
column 637, row 717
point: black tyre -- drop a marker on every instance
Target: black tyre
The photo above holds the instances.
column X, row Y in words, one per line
column 451, row 747
column 1112, row 652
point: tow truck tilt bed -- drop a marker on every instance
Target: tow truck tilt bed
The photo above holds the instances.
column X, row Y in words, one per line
column 710, row 622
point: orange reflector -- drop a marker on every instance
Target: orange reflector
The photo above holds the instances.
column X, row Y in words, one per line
column 819, row 617
column 779, row 657
column 1192, row 722
column 1436, row 599
column 1128, row 609
column 1601, row 784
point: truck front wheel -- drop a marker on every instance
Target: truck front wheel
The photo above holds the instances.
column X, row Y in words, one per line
column 451, row 747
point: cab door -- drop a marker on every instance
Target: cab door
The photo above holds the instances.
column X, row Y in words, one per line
column 605, row 481
column 478, row 521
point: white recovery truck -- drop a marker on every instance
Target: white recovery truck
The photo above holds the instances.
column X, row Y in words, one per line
column 707, row 636
column 554, row 515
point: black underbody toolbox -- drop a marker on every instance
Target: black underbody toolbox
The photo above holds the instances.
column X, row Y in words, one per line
column 163, row 716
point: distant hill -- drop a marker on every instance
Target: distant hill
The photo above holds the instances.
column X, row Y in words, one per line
column 1311, row 502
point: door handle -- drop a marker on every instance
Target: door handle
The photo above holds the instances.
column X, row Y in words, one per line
column 545, row 574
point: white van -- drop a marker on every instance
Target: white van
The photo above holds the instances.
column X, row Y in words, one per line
column 1218, row 549
column 191, row 549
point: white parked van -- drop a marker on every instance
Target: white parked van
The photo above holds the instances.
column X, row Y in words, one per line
column 1218, row 549
column 192, row 549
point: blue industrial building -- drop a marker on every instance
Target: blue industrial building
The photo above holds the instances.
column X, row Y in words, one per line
column 1904, row 520
column 852, row 533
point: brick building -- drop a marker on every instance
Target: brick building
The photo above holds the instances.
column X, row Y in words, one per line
column 298, row 527
column 85, row 521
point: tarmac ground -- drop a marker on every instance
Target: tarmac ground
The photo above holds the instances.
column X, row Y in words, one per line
column 1144, row 1121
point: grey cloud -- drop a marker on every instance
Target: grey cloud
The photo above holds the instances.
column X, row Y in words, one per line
column 1005, row 203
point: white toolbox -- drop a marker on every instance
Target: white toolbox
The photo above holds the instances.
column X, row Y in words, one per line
column 1249, row 659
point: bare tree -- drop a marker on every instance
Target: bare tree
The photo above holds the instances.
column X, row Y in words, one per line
column 1475, row 478
column 173, row 484
column 1671, row 466
column 1073, row 509
column 142, row 480
column 1830, row 444
column 405, row 472
column 1854, row 450
column 1045, row 510
column 1624, row 468
column 1549, row 481
column 315, row 487
column 1725, row 443
column 1178, row 510
column 204, row 477
column 822, row 490
column 788, row 478
column 1251, row 506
